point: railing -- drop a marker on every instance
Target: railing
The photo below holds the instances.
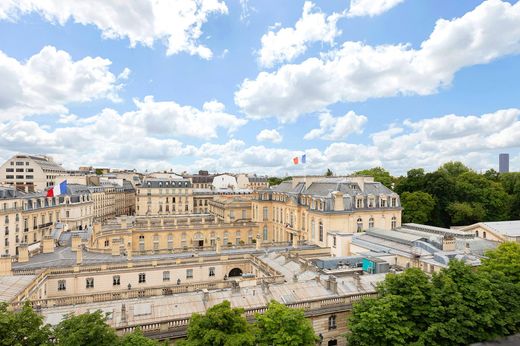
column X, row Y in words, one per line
column 310, row 307
column 133, row 293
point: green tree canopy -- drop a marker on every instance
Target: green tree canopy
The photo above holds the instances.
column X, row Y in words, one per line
column 457, row 306
column 281, row 325
column 329, row 173
column 504, row 259
column 380, row 174
column 85, row 330
column 220, row 326
column 136, row 338
column 24, row 327
column 417, row 206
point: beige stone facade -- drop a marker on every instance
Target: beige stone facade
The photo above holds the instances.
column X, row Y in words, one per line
column 27, row 218
column 310, row 208
column 164, row 197
column 30, row 173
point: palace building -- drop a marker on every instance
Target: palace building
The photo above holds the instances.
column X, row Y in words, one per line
column 320, row 210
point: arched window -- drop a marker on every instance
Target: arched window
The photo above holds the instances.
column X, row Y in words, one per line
column 320, row 230
column 484, row 234
column 371, row 223
column 394, row 222
column 265, row 233
column 476, row 233
column 359, row 224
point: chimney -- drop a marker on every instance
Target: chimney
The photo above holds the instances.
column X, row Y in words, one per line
column 79, row 255
column 448, row 243
column 338, row 201
column 23, row 253
column 5, row 265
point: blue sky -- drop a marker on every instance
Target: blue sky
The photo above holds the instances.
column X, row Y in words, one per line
column 237, row 85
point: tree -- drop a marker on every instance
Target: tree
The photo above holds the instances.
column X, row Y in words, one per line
column 417, row 206
column 380, row 174
column 220, row 326
column 273, row 181
column 458, row 306
column 85, row 330
column 24, row 327
column 454, row 168
column 465, row 213
column 329, row 173
column 505, row 259
column 281, row 325
column 136, row 338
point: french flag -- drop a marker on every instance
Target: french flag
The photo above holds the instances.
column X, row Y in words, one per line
column 58, row 189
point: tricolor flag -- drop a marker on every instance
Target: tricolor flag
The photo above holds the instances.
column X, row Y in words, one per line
column 297, row 160
column 58, row 189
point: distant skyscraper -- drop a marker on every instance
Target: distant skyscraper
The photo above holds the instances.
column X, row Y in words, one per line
column 503, row 163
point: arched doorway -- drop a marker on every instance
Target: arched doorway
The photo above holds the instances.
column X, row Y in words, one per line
column 235, row 272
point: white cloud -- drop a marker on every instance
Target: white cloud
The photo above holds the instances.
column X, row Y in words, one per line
column 123, row 141
column 371, row 8
column 176, row 23
column 285, row 44
column 337, row 128
column 50, row 79
column 356, row 72
column 269, row 135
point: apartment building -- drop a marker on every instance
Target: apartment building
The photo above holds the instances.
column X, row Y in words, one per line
column 164, row 197
column 30, row 173
column 312, row 208
column 25, row 218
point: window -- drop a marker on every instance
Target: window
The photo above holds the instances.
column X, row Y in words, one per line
column 334, row 241
column 170, row 241
column 476, row 233
column 189, row 273
column 116, row 280
column 320, row 230
column 107, row 243
column 9, row 170
column 244, row 214
column 332, row 322
column 62, row 285
column 211, row 271
column 142, row 278
column 313, row 229
column 394, row 222
column 166, row 276
column 484, row 234
column 265, row 233
column 89, row 282
column 359, row 203
column 359, row 224
column 265, row 214
column 371, row 223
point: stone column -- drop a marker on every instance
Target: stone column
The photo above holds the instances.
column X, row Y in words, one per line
column 218, row 245
column 258, row 242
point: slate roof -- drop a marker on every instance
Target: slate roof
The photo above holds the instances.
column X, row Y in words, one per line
column 166, row 183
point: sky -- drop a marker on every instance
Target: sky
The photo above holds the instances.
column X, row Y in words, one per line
column 246, row 85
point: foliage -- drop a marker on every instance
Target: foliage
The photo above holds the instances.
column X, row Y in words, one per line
column 273, row 181
column 220, row 326
column 24, row 327
column 462, row 196
column 418, row 206
column 380, row 174
column 504, row 259
column 457, row 306
column 136, row 338
column 99, row 171
column 329, row 173
column 281, row 325
column 85, row 329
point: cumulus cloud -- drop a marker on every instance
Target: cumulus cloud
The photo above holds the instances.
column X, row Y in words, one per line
column 118, row 141
column 176, row 23
column 50, row 79
column 337, row 128
column 285, row 44
column 356, row 71
column 269, row 135
column 371, row 8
